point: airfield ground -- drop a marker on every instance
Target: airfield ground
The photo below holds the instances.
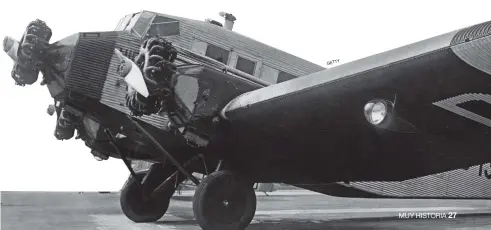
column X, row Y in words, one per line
column 284, row 209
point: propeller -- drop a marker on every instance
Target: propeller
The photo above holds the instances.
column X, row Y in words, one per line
column 132, row 74
column 10, row 46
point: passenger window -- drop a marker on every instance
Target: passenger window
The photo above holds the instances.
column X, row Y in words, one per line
column 199, row 47
column 285, row 76
column 217, row 53
column 245, row 65
column 269, row 74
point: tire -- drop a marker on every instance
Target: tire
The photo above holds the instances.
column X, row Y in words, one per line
column 136, row 208
column 222, row 201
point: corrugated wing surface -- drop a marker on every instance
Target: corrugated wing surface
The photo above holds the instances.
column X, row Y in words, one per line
column 460, row 183
column 473, row 32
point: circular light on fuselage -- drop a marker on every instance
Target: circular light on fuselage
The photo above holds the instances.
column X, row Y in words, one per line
column 375, row 112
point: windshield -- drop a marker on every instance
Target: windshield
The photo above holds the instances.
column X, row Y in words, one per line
column 132, row 21
column 141, row 22
column 123, row 22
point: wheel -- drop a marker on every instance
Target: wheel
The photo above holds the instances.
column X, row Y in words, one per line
column 223, row 201
column 138, row 209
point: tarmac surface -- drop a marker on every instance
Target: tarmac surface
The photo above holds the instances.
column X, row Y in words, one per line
column 296, row 209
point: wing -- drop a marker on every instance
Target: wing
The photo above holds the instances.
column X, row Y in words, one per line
column 319, row 122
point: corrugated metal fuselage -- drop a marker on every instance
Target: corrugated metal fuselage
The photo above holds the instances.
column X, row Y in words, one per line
column 92, row 69
column 90, row 82
column 313, row 130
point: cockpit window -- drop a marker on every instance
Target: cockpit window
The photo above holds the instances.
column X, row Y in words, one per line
column 118, row 27
column 142, row 24
column 139, row 22
column 161, row 19
column 132, row 22
column 163, row 26
column 123, row 22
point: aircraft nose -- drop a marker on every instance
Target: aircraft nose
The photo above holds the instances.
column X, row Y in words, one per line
column 10, row 47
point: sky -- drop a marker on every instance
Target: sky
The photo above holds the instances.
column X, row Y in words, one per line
column 32, row 159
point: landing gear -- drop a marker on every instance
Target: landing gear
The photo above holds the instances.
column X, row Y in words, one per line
column 223, row 201
column 140, row 208
column 146, row 198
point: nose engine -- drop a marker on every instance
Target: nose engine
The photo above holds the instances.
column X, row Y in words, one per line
column 29, row 54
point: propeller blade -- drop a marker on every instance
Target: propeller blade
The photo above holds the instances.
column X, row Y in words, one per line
column 10, row 46
column 132, row 74
column 135, row 79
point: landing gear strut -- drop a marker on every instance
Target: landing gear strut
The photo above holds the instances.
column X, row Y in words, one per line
column 145, row 198
column 139, row 201
column 224, row 201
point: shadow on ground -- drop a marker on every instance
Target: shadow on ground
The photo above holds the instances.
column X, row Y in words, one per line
column 283, row 225
column 475, row 222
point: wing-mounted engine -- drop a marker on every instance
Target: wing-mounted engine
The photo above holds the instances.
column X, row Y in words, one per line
column 30, row 53
column 153, row 89
column 34, row 54
column 156, row 63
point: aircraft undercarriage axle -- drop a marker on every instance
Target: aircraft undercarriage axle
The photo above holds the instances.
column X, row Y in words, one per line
column 175, row 179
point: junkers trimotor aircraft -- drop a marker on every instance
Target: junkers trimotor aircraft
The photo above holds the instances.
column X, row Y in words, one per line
column 412, row 122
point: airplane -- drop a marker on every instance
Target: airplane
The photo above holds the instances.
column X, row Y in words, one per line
column 407, row 123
